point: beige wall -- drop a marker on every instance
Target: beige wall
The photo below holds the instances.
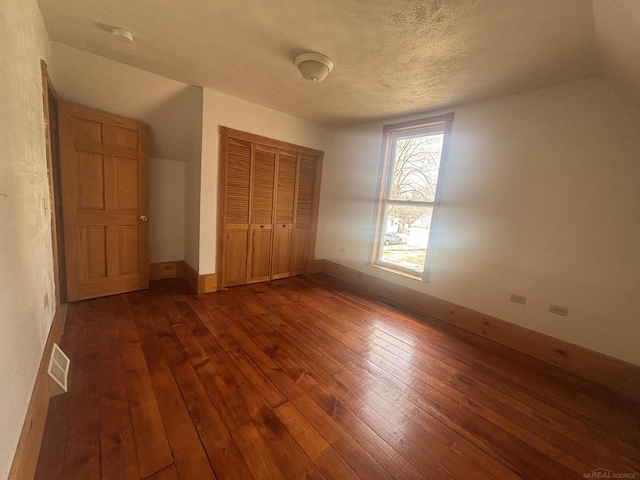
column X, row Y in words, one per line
column 192, row 193
column 26, row 263
column 224, row 110
column 540, row 198
column 173, row 111
column 166, row 209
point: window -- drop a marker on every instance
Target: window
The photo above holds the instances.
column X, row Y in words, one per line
column 414, row 155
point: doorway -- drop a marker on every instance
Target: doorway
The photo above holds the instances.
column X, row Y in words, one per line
column 50, row 106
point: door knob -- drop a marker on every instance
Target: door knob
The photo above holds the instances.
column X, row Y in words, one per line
column 143, row 218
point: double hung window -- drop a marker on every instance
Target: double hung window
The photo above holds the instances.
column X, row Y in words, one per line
column 414, row 156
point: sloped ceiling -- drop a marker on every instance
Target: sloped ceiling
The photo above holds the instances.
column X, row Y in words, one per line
column 391, row 57
column 617, row 27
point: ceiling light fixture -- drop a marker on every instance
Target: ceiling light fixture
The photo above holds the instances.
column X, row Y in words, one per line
column 122, row 35
column 314, row 66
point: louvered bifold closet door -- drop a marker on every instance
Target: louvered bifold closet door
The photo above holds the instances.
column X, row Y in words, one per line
column 268, row 208
column 284, row 211
column 301, row 241
column 262, row 193
column 236, row 212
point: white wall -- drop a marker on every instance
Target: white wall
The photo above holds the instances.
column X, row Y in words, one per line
column 173, row 111
column 192, row 194
column 26, row 262
column 224, row 110
column 541, row 198
column 166, row 209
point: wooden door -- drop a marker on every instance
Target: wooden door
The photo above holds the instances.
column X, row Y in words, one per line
column 105, row 195
column 285, row 206
column 305, row 215
column 236, row 186
column 263, row 169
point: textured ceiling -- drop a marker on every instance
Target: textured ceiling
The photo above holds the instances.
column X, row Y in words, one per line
column 391, row 57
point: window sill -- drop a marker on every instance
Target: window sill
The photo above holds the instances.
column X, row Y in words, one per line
column 412, row 276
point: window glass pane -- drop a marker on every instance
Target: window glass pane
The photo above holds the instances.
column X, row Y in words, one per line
column 415, row 166
column 406, row 235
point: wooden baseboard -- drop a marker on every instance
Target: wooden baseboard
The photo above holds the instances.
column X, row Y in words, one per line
column 191, row 277
column 316, row 266
column 25, row 460
column 618, row 375
column 206, row 283
column 164, row 270
column 210, row 282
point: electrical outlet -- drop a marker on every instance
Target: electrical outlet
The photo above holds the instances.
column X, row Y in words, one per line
column 559, row 310
column 518, row 298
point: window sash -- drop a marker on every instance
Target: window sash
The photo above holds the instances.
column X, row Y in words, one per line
column 403, row 251
column 394, row 138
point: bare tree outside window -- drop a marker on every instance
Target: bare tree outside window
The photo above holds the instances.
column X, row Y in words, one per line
column 415, row 171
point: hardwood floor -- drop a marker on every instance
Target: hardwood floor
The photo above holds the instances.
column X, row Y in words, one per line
column 308, row 378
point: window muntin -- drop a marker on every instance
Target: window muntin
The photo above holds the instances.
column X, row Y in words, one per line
column 414, row 154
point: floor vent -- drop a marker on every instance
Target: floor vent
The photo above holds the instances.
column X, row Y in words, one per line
column 388, row 303
column 58, row 371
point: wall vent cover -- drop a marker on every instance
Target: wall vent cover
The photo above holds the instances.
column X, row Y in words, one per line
column 58, row 371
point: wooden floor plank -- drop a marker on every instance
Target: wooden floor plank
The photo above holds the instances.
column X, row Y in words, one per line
column 291, row 458
column 51, row 460
column 367, row 462
column 117, row 447
column 257, row 454
column 179, row 349
column 330, row 464
column 152, row 447
column 224, row 391
column 168, row 473
column 271, row 394
column 308, row 377
column 392, row 445
column 188, row 453
column 222, row 452
column 350, row 450
column 480, row 454
column 82, row 452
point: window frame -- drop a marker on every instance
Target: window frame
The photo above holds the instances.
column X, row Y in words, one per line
column 385, row 177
